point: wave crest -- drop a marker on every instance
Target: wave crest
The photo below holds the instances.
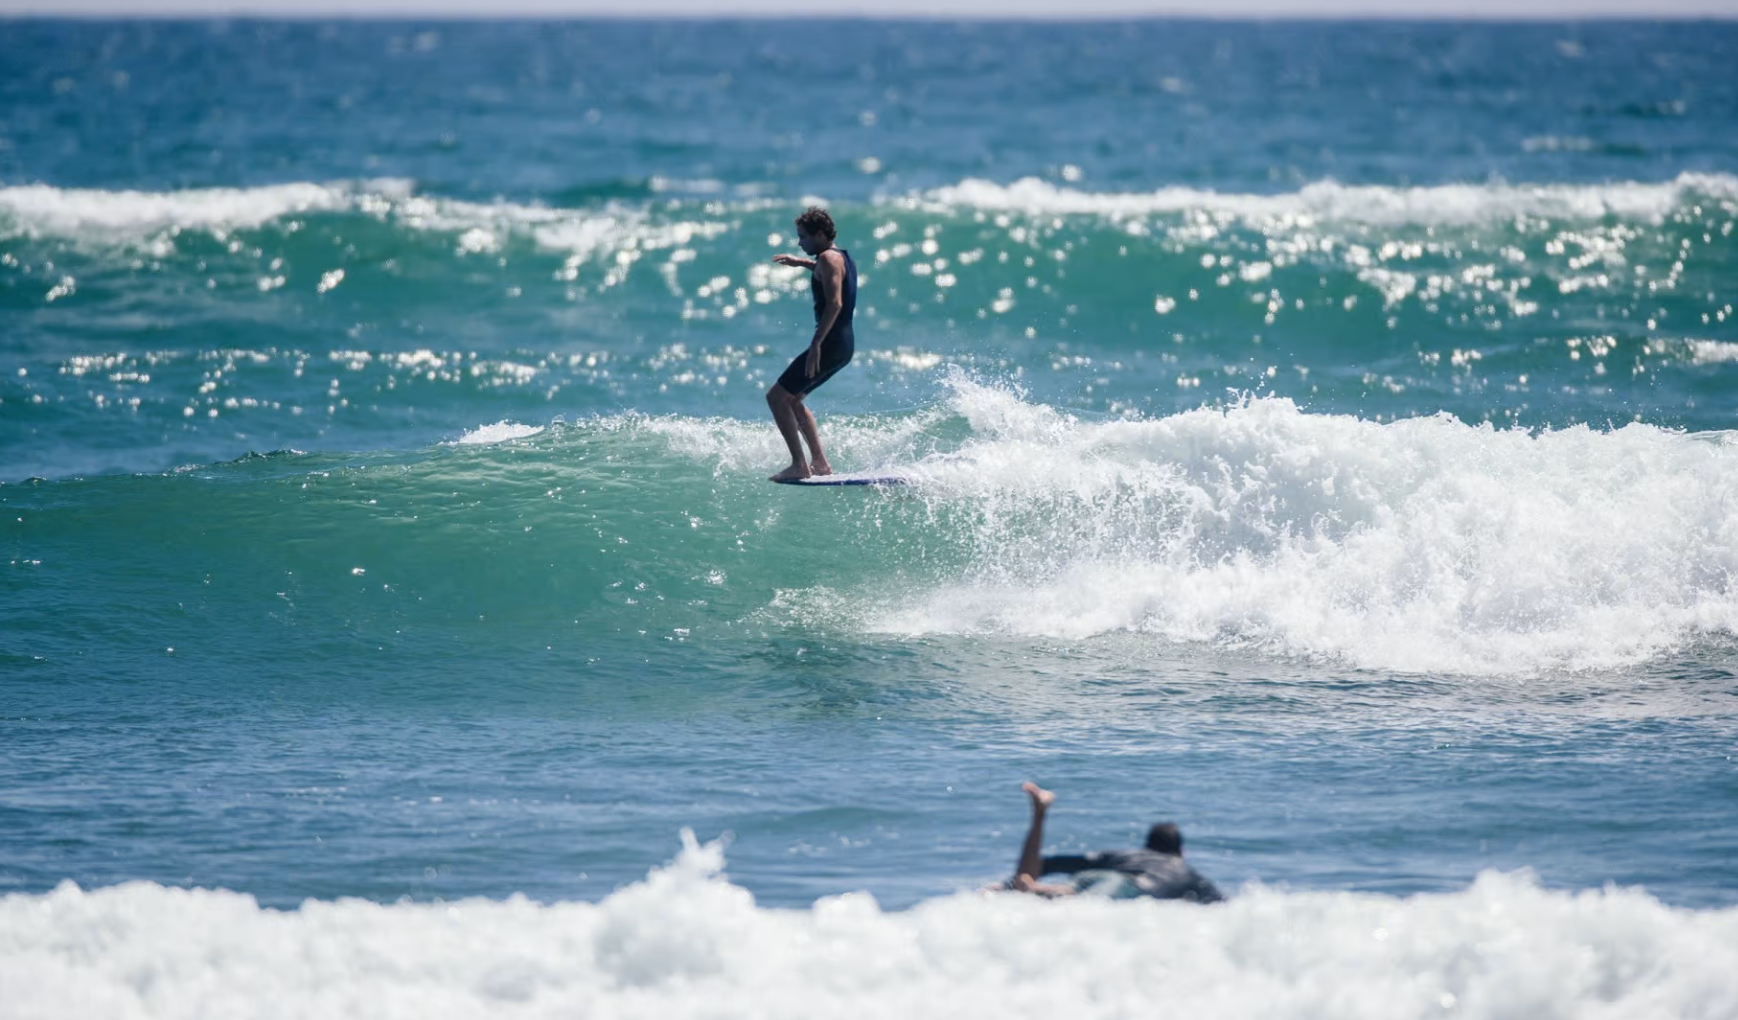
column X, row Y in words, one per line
column 1331, row 201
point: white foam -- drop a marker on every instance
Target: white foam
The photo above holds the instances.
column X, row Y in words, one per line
column 1708, row 352
column 686, row 943
column 477, row 227
column 40, row 209
column 1330, row 201
column 499, row 432
column 1422, row 545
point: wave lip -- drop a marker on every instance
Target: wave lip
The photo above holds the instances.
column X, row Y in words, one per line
column 687, row 943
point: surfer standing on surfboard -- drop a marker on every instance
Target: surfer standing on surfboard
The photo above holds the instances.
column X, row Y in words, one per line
column 834, row 282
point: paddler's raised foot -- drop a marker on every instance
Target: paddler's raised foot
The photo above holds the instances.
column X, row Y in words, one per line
column 1041, row 798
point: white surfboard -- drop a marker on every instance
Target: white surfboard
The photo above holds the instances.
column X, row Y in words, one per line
column 847, row 478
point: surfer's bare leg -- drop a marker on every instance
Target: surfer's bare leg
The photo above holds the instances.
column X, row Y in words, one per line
column 784, row 414
column 811, row 434
column 1031, row 857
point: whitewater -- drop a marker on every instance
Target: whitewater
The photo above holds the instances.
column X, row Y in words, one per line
column 684, row 942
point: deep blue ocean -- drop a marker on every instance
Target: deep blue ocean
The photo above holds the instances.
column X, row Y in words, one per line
column 1319, row 434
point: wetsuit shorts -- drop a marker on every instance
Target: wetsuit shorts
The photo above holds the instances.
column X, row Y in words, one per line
column 836, row 351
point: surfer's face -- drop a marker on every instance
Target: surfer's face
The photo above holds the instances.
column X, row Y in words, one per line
column 811, row 244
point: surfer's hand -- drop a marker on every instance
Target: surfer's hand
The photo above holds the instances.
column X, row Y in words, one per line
column 813, row 367
column 791, row 260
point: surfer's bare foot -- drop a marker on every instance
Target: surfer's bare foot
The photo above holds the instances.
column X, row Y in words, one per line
column 1041, row 798
column 819, row 467
column 792, row 473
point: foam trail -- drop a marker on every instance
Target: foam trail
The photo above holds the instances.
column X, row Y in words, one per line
column 686, row 943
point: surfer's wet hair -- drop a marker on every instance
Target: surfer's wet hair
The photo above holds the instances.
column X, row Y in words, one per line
column 816, row 223
column 1165, row 838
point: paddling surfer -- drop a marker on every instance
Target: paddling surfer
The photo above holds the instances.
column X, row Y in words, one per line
column 834, row 283
column 1157, row 870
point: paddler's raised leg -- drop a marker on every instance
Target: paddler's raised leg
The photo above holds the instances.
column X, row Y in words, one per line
column 1031, row 865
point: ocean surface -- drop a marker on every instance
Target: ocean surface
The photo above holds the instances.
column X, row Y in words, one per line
column 1319, row 434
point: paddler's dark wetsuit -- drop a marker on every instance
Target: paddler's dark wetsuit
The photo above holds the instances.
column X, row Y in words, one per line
column 1141, row 872
column 839, row 343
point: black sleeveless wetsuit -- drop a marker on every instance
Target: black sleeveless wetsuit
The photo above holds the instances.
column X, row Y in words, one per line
column 839, row 343
column 1161, row 876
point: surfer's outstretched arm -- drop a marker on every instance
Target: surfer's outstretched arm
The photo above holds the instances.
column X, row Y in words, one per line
column 1031, row 866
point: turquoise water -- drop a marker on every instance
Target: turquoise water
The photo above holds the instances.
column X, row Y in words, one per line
column 1318, row 434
